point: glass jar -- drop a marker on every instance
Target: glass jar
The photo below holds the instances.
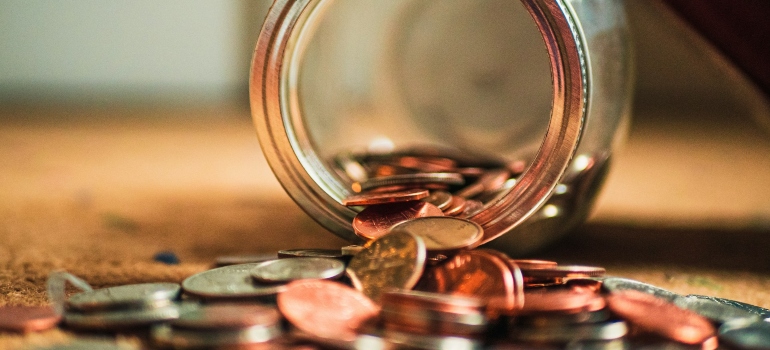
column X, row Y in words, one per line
column 539, row 84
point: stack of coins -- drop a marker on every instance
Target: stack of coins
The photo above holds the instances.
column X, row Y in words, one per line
column 121, row 307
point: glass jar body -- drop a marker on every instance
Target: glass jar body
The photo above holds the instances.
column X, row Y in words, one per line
column 488, row 79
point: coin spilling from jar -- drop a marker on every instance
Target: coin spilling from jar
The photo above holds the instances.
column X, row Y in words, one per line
column 419, row 282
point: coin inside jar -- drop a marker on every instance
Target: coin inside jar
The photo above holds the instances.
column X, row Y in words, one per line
column 385, row 197
column 287, row 270
column 131, row 295
column 375, row 221
column 443, row 233
column 441, row 199
column 409, row 179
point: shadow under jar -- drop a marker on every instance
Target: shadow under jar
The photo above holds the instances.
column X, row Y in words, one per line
column 538, row 87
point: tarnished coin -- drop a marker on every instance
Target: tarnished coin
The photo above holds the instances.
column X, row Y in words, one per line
column 563, row 271
column 27, row 318
column 126, row 296
column 409, row 179
column 167, row 336
column 229, row 282
column 713, row 308
column 119, row 319
column 647, row 312
column 385, row 197
column 745, row 334
column 287, row 270
column 393, row 261
column 563, row 334
column 441, row 199
column 244, row 259
column 226, row 315
column 311, row 253
column 479, row 273
column 617, row 284
column 326, row 309
column 376, row 221
column 443, row 233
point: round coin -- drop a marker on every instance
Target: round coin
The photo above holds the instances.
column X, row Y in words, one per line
column 617, row 284
column 562, row 300
column 226, row 315
column 311, row 253
column 376, row 221
column 351, row 250
column 126, row 296
column 456, row 207
column 746, row 334
column 566, row 333
column 533, row 264
column 326, row 309
column 713, row 309
column 385, row 197
column 120, row 319
column 287, row 270
column 167, row 336
column 229, row 282
column 27, row 318
column 562, row 271
column 243, row 259
column 395, row 261
column 441, row 199
column 443, row 233
column 410, row 179
column 646, row 312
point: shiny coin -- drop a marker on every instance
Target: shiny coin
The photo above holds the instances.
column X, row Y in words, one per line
column 287, row 270
column 27, row 318
column 456, row 207
column 745, row 334
column 441, row 199
column 393, row 261
column 425, row 313
column 409, row 179
column 376, row 221
column 580, row 332
column 479, row 273
column 562, row 300
column 442, row 233
column 244, row 259
column 385, row 197
column 168, row 336
column 616, row 284
column 756, row 310
column 563, row 271
column 226, row 315
column 351, row 250
column 533, row 264
column 229, row 282
column 646, row 312
column 311, row 253
column 713, row 309
column 126, row 296
column 119, row 319
column 326, row 309
column 426, row 164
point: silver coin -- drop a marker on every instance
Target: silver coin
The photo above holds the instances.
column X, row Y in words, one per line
column 229, row 282
column 615, row 284
column 581, row 332
column 87, row 344
column 411, row 179
column 418, row 341
column 167, row 336
column 351, row 250
column 311, row 253
column 745, row 334
column 287, row 270
column 244, row 259
column 127, row 296
column 713, row 309
column 119, row 319
column 443, row 233
column 756, row 310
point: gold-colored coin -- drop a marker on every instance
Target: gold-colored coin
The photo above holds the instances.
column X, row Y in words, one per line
column 443, row 233
column 395, row 260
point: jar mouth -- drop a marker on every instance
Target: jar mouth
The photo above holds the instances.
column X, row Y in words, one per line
column 306, row 175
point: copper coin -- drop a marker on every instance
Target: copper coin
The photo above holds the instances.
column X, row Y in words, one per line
column 456, row 207
column 655, row 315
column 410, row 179
column 530, row 263
column 394, row 261
column 385, row 197
column 226, row 315
column 442, row 233
column 432, row 301
column 375, row 221
column 562, row 300
column 584, row 285
column 490, row 181
column 563, row 271
column 422, row 312
column 479, row 273
column 441, row 199
column 426, row 164
column 27, row 318
column 326, row 309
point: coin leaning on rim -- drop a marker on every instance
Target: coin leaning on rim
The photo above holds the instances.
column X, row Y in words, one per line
column 131, row 295
column 287, row 270
column 232, row 281
column 443, row 233
column 396, row 260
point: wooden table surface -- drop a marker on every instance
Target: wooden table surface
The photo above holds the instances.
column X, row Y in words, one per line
column 98, row 192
